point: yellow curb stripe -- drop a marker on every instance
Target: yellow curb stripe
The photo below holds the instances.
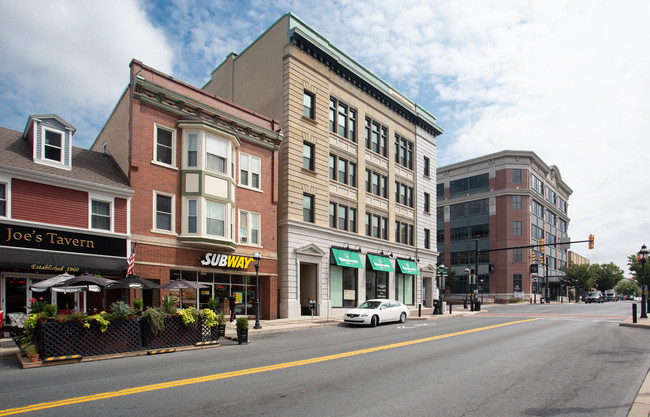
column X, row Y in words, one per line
column 232, row 374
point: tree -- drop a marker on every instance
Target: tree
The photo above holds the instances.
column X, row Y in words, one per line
column 634, row 266
column 628, row 287
column 451, row 278
column 580, row 276
column 607, row 276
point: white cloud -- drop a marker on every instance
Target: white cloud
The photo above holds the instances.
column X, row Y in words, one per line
column 567, row 80
column 71, row 57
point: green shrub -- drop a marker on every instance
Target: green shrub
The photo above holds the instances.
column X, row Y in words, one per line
column 210, row 317
column 156, row 320
column 138, row 303
column 242, row 323
column 121, row 309
column 189, row 316
column 168, row 304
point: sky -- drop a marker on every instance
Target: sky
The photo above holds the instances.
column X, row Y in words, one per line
column 568, row 80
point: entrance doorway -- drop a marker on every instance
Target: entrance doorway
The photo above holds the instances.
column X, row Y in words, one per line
column 307, row 288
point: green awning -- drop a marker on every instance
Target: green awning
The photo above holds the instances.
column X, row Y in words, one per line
column 408, row 267
column 347, row 259
column 380, row 263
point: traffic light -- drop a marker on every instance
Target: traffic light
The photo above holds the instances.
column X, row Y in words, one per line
column 591, row 241
column 532, row 257
column 541, row 245
column 541, row 259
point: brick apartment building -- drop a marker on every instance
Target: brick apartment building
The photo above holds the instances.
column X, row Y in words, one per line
column 503, row 200
column 204, row 173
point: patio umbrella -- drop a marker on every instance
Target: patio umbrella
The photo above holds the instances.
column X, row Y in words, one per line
column 180, row 285
column 134, row 282
column 46, row 284
column 87, row 280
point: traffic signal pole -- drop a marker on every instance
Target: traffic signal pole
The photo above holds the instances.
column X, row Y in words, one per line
column 547, row 292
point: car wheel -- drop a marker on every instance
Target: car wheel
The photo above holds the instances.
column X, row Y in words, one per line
column 374, row 321
column 402, row 317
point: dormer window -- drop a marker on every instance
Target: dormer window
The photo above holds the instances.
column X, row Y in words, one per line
column 50, row 138
column 52, row 146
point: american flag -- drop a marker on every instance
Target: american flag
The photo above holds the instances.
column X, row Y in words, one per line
column 131, row 262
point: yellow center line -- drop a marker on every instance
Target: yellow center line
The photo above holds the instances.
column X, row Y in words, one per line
column 232, row 374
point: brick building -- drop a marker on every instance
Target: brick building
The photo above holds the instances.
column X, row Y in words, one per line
column 204, row 173
column 503, row 200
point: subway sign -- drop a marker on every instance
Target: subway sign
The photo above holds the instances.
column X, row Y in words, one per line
column 226, row 261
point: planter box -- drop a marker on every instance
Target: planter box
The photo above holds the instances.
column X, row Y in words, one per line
column 72, row 338
column 175, row 334
column 122, row 335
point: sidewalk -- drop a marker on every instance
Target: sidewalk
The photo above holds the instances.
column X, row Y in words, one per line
column 641, row 406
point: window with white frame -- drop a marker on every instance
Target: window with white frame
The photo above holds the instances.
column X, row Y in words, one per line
column 3, row 199
column 165, row 145
column 52, row 145
column 215, row 220
column 164, row 212
column 100, row 217
column 216, row 155
column 192, row 150
column 249, row 228
column 192, row 216
column 249, row 170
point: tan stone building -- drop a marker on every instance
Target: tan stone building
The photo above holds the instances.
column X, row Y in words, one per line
column 356, row 212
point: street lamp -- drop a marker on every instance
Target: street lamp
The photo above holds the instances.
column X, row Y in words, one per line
column 534, row 290
column 257, row 257
column 643, row 257
column 441, row 288
column 467, row 285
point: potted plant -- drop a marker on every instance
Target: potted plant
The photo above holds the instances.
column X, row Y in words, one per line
column 221, row 325
column 212, row 304
column 31, row 351
column 137, row 305
column 242, row 330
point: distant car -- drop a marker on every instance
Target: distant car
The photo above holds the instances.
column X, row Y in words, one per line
column 610, row 296
column 373, row 312
column 594, row 297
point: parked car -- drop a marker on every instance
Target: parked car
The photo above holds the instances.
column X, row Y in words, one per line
column 595, row 297
column 610, row 296
column 373, row 312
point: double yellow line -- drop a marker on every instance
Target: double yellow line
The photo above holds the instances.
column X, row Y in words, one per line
column 225, row 375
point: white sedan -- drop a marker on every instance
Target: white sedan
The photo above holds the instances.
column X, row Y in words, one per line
column 373, row 312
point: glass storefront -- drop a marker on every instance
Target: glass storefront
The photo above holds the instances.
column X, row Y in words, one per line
column 343, row 277
column 405, row 281
column 220, row 287
column 377, row 269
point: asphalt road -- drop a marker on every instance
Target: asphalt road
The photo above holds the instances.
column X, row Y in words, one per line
column 523, row 360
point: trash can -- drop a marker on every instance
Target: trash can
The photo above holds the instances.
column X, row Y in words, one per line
column 436, row 306
column 477, row 305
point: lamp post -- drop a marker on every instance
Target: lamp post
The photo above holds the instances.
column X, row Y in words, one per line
column 257, row 257
column 535, row 290
column 442, row 274
column 643, row 257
